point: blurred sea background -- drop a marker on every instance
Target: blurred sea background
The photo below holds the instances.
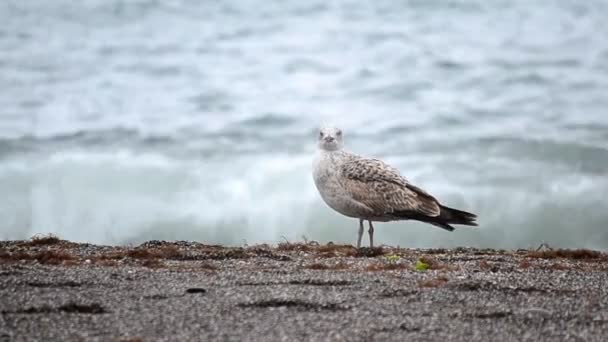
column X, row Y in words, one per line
column 126, row 121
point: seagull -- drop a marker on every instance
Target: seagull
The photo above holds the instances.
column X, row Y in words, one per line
column 371, row 190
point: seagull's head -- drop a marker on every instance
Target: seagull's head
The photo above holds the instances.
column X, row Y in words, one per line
column 330, row 139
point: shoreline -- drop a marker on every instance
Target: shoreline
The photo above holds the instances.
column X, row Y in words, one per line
column 51, row 289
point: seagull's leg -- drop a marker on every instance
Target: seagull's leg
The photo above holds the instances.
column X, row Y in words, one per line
column 361, row 229
column 371, row 234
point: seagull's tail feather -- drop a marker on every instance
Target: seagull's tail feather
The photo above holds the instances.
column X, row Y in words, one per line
column 447, row 216
column 455, row 216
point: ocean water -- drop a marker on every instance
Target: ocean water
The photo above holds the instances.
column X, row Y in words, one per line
column 125, row 121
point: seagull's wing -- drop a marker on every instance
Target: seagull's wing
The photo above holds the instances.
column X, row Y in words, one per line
column 381, row 187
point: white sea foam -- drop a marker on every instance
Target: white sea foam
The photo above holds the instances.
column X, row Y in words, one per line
column 117, row 198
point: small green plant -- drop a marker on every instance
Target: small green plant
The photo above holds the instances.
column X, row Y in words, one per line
column 421, row 265
column 393, row 258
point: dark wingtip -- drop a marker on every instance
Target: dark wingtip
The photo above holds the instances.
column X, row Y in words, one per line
column 455, row 216
column 443, row 226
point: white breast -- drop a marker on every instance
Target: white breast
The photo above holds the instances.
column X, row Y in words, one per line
column 326, row 175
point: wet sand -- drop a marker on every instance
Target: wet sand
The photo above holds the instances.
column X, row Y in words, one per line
column 54, row 290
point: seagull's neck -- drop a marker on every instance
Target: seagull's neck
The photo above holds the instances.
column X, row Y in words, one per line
column 329, row 152
column 331, row 155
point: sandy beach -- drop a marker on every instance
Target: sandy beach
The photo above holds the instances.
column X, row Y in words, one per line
column 55, row 290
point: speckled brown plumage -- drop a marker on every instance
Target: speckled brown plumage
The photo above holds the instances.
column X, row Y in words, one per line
column 381, row 188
